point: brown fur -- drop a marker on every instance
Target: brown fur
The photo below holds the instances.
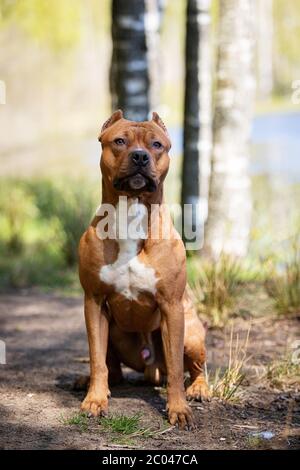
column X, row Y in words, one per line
column 167, row 321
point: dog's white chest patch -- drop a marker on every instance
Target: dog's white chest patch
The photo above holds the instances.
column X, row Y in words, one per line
column 128, row 274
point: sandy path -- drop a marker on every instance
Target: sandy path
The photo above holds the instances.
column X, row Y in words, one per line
column 45, row 340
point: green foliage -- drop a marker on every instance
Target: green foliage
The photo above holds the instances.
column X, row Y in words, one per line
column 215, row 287
column 284, row 284
column 16, row 206
column 40, row 226
column 55, row 23
column 78, row 419
column 122, row 428
column 256, row 442
column 72, row 203
column 29, row 247
column 126, row 426
column 122, row 424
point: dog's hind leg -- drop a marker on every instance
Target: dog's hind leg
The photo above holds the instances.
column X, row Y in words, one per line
column 113, row 362
column 194, row 352
column 155, row 371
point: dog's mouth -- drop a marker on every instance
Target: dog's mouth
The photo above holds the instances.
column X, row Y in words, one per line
column 135, row 182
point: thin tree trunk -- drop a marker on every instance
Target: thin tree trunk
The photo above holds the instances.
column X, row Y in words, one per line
column 154, row 16
column 197, row 111
column 229, row 210
column 135, row 30
column 265, row 48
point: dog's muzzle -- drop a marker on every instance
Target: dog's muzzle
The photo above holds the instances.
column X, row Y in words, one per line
column 139, row 178
column 138, row 181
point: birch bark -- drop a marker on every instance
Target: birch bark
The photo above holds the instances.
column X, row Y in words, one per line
column 197, row 110
column 229, row 209
column 133, row 74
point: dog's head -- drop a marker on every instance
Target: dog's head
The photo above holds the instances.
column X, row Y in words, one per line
column 135, row 156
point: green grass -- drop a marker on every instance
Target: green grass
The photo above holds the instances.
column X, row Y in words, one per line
column 80, row 420
column 41, row 222
column 256, row 442
column 125, row 425
column 122, row 428
column 215, row 286
column 72, row 203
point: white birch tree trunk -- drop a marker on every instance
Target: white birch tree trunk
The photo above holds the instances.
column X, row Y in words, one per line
column 264, row 20
column 197, row 110
column 153, row 21
column 133, row 74
column 229, row 210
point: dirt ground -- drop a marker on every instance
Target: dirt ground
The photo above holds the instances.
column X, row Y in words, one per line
column 46, row 349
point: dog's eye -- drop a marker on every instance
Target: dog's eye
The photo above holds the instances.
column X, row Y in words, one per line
column 157, row 145
column 119, row 141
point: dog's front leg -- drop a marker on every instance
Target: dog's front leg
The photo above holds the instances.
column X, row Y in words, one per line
column 96, row 401
column 172, row 329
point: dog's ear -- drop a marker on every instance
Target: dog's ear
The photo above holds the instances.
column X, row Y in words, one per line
column 110, row 121
column 159, row 122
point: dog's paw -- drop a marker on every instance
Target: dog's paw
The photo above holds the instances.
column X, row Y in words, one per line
column 181, row 415
column 198, row 390
column 95, row 405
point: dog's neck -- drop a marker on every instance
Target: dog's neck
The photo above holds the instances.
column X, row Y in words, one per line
column 151, row 201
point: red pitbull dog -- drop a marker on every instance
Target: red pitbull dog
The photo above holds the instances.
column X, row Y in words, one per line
column 137, row 308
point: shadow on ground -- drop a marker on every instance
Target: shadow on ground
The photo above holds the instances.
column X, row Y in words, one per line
column 46, row 350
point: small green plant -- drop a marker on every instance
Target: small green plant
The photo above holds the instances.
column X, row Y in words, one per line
column 79, row 419
column 284, row 287
column 226, row 384
column 125, row 425
column 256, row 442
column 216, row 287
column 125, row 428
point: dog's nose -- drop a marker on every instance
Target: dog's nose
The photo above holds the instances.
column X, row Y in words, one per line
column 140, row 157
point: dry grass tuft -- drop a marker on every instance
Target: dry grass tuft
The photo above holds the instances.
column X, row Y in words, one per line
column 226, row 384
column 284, row 287
column 284, row 373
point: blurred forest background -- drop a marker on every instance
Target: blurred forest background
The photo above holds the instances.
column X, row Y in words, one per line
column 220, row 74
column 224, row 75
